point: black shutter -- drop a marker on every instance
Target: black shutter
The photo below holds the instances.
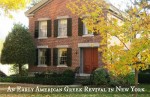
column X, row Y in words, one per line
column 80, row 27
column 36, row 29
column 36, row 56
column 55, row 28
column 69, row 57
column 49, row 28
column 55, row 56
column 48, row 56
column 69, row 27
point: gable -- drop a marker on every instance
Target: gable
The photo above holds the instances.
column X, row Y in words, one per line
column 37, row 7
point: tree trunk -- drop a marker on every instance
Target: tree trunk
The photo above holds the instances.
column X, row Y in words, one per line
column 136, row 81
column 20, row 69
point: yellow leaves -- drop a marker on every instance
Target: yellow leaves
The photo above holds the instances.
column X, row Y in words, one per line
column 127, row 52
column 118, row 69
column 11, row 5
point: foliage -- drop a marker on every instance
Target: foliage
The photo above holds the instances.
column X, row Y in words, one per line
column 144, row 76
column 131, row 30
column 12, row 5
column 2, row 74
column 33, row 3
column 100, row 77
column 66, row 77
column 68, row 73
column 16, row 70
column 18, row 47
column 122, row 80
column 52, row 78
column 1, row 45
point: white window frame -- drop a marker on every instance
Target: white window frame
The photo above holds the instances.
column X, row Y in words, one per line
column 40, row 28
column 59, row 56
column 60, row 34
column 39, row 59
column 86, row 32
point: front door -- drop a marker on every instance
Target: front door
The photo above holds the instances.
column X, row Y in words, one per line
column 90, row 59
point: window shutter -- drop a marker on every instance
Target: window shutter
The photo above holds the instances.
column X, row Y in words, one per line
column 49, row 28
column 48, row 57
column 36, row 32
column 55, row 56
column 69, row 57
column 55, row 28
column 80, row 27
column 69, row 27
column 36, row 56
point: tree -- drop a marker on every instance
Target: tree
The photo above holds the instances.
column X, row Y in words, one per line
column 12, row 5
column 33, row 3
column 18, row 47
column 131, row 30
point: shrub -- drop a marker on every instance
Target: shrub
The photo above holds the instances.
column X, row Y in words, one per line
column 100, row 77
column 122, row 80
column 52, row 78
column 68, row 73
column 144, row 78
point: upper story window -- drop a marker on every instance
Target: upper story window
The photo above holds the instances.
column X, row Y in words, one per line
column 62, row 27
column 83, row 30
column 43, row 29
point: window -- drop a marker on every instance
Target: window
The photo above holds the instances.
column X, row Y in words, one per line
column 62, row 27
column 42, row 29
column 85, row 30
column 62, row 56
column 42, row 56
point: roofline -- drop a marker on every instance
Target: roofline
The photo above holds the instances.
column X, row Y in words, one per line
column 37, row 7
column 42, row 3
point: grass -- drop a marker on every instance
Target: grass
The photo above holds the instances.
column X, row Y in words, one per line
column 5, row 94
column 72, row 95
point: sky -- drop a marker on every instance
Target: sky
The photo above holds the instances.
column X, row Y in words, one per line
column 6, row 23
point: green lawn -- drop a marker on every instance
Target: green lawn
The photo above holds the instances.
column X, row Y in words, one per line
column 5, row 94
column 72, row 95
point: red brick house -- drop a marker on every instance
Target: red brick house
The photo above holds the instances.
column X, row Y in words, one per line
column 62, row 39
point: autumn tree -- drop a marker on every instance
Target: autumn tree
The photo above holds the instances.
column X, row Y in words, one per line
column 12, row 5
column 125, row 36
column 18, row 48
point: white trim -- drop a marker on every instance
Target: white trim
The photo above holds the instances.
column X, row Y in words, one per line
column 42, row 37
column 88, row 44
column 42, row 66
column 42, row 46
column 83, row 74
column 62, row 17
column 62, row 66
column 88, row 35
column 62, row 37
column 43, row 19
column 62, row 46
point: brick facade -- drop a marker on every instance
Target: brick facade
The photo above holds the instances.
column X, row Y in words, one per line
column 52, row 10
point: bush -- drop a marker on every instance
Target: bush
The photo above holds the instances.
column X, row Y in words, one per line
column 52, row 78
column 122, row 80
column 68, row 73
column 100, row 77
column 144, row 78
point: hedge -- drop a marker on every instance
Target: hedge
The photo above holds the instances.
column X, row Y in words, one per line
column 144, row 78
column 53, row 78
